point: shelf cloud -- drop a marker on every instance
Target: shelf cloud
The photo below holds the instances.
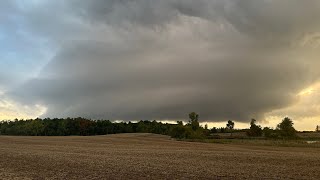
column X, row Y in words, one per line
column 150, row 59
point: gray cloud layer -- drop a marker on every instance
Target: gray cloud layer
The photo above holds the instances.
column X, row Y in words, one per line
column 143, row 59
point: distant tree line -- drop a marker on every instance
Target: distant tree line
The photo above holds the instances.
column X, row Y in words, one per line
column 86, row 127
column 284, row 129
column 79, row 126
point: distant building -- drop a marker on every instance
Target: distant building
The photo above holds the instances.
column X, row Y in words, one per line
column 318, row 128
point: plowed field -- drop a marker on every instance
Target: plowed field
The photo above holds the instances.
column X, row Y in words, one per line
column 149, row 156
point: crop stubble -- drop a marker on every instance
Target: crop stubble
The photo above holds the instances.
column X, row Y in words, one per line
column 149, row 156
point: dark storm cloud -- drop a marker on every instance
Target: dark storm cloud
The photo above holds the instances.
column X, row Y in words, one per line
column 160, row 60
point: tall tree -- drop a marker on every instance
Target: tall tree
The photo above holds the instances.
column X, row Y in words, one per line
column 255, row 130
column 286, row 128
column 230, row 126
column 194, row 120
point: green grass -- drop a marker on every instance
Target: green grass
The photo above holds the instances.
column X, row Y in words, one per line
column 261, row 142
column 241, row 138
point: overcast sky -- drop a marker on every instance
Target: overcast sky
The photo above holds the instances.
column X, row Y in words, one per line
column 152, row 59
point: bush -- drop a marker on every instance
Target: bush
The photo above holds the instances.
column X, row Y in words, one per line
column 269, row 133
column 178, row 131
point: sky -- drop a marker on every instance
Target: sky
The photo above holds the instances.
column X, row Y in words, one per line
column 150, row 59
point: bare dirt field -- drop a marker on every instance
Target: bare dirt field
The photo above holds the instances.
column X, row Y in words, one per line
column 149, row 156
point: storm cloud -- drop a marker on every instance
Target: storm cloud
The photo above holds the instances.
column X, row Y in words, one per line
column 149, row 59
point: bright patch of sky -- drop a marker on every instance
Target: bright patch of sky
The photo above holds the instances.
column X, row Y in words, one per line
column 22, row 53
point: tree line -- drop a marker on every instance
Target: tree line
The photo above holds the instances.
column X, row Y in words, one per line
column 79, row 126
column 87, row 127
column 284, row 129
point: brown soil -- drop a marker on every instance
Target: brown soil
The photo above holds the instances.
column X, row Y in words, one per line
column 149, row 156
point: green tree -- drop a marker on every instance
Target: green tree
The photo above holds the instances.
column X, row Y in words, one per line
column 178, row 131
column 286, row 128
column 255, row 130
column 194, row 121
column 230, row 126
column 37, row 127
column 269, row 132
